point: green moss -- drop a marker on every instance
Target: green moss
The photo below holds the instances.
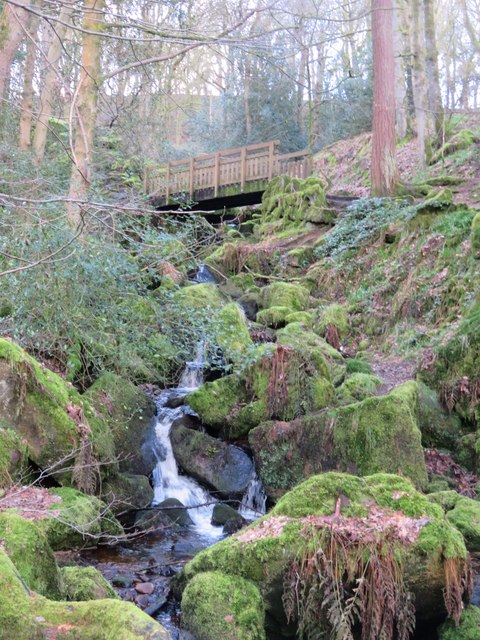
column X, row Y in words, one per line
column 475, row 235
column 285, row 294
column 355, row 365
column 85, row 583
column 231, row 333
column 247, row 418
column 382, row 434
column 436, row 201
column 322, row 393
column 358, row 386
column 334, row 315
column 200, row 296
column 274, row 316
column 215, row 400
column 28, row 548
column 78, row 520
column 13, row 457
column 461, row 140
column 216, row 606
column 465, row 516
column 304, row 317
column 439, row 429
column 27, row 616
column 468, row 629
column 126, row 491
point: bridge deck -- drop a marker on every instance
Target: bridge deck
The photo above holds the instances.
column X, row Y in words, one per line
column 223, row 174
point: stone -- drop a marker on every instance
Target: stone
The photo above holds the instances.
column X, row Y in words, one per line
column 222, row 513
column 145, row 588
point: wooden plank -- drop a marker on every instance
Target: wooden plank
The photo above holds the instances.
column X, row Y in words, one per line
column 190, row 177
column 216, row 174
column 271, row 153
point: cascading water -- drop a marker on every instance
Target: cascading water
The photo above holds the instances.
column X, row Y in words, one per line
column 254, row 502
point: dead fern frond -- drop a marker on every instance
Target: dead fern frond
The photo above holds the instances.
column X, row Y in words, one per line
column 332, row 337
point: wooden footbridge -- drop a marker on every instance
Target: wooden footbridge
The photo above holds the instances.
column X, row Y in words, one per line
column 224, row 179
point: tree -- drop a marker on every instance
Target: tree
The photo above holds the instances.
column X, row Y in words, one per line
column 384, row 165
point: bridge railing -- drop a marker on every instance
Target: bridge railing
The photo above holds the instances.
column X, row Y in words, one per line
column 232, row 168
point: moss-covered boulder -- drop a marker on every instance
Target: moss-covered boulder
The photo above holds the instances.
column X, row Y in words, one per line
column 204, row 296
column 459, row 141
column 284, row 294
column 85, row 583
column 437, row 200
column 373, row 513
column 216, row 606
column 439, row 428
column 331, row 322
column 357, row 386
column 374, row 435
column 468, row 629
column 125, row 492
column 129, row 414
column 25, row 615
column 214, row 401
column 13, row 457
column 225, row 468
column 58, row 426
column 463, row 513
column 78, row 520
column 230, row 332
column 27, row 546
column 274, row 317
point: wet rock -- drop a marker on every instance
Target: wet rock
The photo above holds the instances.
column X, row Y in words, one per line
column 142, row 600
column 152, row 519
column 156, row 606
column 145, row 588
column 176, row 512
column 121, row 581
column 126, row 491
column 175, row 399
column 222, row 513
column 224, row 467
column 233, row 525
column 249, row 304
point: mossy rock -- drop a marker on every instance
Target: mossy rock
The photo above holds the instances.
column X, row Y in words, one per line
column 230, row 332
column 216, row 606
column 27, row 546
column 126, row 491
column 357, row 365
column 39, row 406
column 357, row 386
column 475, row 236
column 246, row 418
column 85, row 583
column 436, row 201
column 374, row 435
column 465, row 516
column 264, row 551
column 13, row 458
column 468, row 629
column 274, row 317
column 214, row 401
column 200, row 296
column 285, row 294
column 459, row 141
column 236, row 286
column 78, row 520
column 129, row 414
column 334, row 315
column 25, row 615
column 304, row 317
column 439, row 429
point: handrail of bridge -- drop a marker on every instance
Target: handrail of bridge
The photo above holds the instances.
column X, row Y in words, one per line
column 233, row 167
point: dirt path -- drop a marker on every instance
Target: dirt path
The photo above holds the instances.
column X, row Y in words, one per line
column 393, row 372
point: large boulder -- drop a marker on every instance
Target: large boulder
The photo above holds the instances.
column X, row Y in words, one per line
column 57, row 425
column 374, row 435
column 129, row 414
column 85, row 583
column 225, row 468
column 25, row 615
column 13, row 457
column 216, row 606
column 334, row 532
column 215, row 401
column 439, row 428
column 126, row 491
column 463, row 513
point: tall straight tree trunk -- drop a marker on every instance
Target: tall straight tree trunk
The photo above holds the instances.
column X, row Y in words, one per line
column 435, row 107
column 401, row 110
column 26, row 106
column 85, row 109
column 384, row 165
column 419, row 82
column 11, row 34
column 46, row 96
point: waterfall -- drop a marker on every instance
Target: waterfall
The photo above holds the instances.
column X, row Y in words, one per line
column 204, row 275
column 192, row 377
column 254, row 501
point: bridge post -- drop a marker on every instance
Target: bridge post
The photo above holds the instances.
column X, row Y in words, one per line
column 271, row 155
column 243, row 168
column 167, row 184
column 190, row 177
column 216, row 170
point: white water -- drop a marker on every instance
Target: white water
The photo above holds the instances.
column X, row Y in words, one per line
column 168, row 483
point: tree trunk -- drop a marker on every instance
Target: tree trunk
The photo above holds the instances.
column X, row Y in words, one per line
column 435, row 107
column 400, row 76
column 85, row 109
column 11, row 34
column 419, row 82
column 384, row 165
column 26, row 106
column 46, row 96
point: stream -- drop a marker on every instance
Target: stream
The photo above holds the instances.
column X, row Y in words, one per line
column 140, row 570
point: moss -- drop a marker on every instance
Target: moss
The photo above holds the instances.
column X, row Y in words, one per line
column 129, row 414
column 304, row 317
column 231, row 333
column 439, row 429
column 358, row 386
column 127, row 491
column 322, row 393
column 239, row 284
column 200, row 296
column 85, row 583
column 285, row 294
column 382, row 434
column 334, row 315
column 468, row 629
column 13, row 457
column 461, row 140
column 465, row 516
column 436, row 201
column 274, row 316
column 355, row 365
column 28, row 548
column 247, row 418
column 216, row 606
column 214, row 401
column 35, row 405
column 446, row 499
column 78, row 520
column 475, row 235
column 28, row 616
